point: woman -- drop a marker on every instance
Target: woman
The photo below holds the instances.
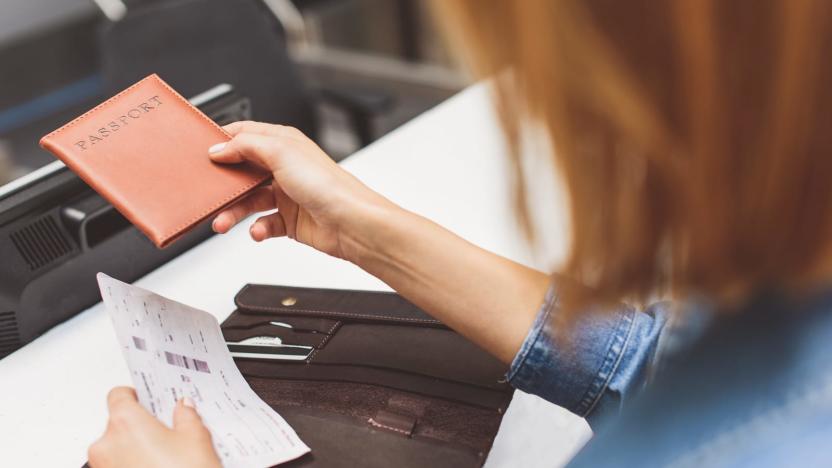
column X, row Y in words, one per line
column 693, row 139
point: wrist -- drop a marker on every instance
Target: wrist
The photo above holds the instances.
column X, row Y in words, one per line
column 369, row 232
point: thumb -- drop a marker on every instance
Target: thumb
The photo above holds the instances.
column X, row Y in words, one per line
column 262, row 150
column 185, row 417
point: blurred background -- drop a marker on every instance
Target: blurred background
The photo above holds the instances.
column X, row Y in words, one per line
column 344, row 71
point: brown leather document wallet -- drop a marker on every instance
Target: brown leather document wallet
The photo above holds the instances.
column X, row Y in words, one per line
column 146, row 151
column 366, row 378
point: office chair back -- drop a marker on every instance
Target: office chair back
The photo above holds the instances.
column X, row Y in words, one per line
column 197, row 44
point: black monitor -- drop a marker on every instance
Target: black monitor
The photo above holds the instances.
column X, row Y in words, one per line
column 56, row 233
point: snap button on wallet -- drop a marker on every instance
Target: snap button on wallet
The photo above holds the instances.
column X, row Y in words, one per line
column 146, row 151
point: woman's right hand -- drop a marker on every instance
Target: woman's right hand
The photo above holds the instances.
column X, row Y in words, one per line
column 488, row 298
column 316, row 200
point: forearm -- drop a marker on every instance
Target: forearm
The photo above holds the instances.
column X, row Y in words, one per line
column 489, row 299
column 499, row 304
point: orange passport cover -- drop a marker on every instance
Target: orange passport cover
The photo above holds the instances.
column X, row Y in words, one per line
column 146, row 151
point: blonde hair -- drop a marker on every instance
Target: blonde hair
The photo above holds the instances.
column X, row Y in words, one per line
column 693, row 135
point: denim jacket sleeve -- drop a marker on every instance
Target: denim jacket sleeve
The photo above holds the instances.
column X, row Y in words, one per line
column 608, row 358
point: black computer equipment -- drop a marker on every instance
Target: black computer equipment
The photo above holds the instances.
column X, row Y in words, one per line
column 56, row 233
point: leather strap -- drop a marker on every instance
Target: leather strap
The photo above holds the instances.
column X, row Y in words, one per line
column 336, row 304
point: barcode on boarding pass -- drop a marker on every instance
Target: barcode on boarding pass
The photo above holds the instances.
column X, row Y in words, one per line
column 186, row 362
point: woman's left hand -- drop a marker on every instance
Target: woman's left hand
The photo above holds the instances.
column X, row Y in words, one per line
column 134, row 438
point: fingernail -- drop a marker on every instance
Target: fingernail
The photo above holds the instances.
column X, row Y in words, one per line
column 215, row 225
column 188, row 402
column 258, row 232
column 217, row 148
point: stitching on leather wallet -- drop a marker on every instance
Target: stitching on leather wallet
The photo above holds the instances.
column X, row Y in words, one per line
column 329, row 334
column 338, row 314
column 385, row 426
column 323, row 343
column 331, row 329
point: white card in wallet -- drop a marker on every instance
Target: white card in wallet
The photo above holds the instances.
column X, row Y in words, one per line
column 174, row 351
